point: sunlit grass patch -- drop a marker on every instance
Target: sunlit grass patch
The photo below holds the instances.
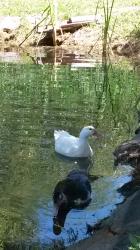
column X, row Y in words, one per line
column 21, row 8
column 66, row 7
column 126, row 23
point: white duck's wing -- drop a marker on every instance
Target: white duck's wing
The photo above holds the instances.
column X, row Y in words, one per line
column 66, row 144
column 60, row 133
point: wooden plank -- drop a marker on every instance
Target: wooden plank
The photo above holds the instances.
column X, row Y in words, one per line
column 68, row 27
column 73, row 23
column 77, row 19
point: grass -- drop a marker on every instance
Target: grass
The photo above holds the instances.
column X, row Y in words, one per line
column 136, row 31
column 126, row 24
column 66, row 7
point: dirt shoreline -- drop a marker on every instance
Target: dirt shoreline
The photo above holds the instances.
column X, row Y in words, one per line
column 85, row 41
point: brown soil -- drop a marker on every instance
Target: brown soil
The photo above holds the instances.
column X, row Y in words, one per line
column 85, row 41
column 88, row 40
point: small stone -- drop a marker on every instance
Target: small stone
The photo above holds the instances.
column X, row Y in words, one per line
column 9, row 23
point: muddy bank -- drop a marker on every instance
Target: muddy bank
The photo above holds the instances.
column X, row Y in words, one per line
column 86, row 40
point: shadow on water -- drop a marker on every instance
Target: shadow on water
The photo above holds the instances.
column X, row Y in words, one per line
column 84, row 163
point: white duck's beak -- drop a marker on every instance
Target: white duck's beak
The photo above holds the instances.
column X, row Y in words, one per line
column 96, row 134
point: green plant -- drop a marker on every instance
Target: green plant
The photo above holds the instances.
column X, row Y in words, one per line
column 107, row 17
column 136, row 31
column 135, row 243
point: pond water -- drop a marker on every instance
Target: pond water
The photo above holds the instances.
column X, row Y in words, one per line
column 35, row 100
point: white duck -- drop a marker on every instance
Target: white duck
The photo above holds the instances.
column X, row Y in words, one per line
column 71, row 146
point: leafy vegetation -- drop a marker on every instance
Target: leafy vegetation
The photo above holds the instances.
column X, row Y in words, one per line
column 135, row 243
column 107, row 18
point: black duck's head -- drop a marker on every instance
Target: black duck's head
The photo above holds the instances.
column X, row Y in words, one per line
column 61, row 208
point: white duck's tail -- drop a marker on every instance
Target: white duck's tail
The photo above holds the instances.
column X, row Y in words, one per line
column 58, row 133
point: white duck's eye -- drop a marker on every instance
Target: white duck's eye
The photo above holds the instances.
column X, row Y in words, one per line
column 90, row 128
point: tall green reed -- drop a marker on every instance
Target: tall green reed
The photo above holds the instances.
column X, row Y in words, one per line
column 107, row 9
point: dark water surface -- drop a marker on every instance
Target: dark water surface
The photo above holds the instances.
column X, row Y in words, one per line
column 35, row 100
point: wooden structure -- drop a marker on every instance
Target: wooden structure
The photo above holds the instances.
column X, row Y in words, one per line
column 71, row 25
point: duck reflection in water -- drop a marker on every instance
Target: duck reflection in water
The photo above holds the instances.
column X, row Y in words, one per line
column 84, row 163
column 74, row 192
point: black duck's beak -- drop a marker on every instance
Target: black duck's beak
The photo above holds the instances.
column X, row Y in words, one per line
column 59, row 219
column 56, row 229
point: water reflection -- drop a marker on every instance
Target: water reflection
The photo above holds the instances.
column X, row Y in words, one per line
column 34, row 101
column 59, row 56
column 10, row 56
column 84, row 163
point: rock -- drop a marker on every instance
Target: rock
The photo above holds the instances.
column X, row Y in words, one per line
column 115, row 232
column 9, row 23
column 7, row 39
column 129, row 48
column 128, row 152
